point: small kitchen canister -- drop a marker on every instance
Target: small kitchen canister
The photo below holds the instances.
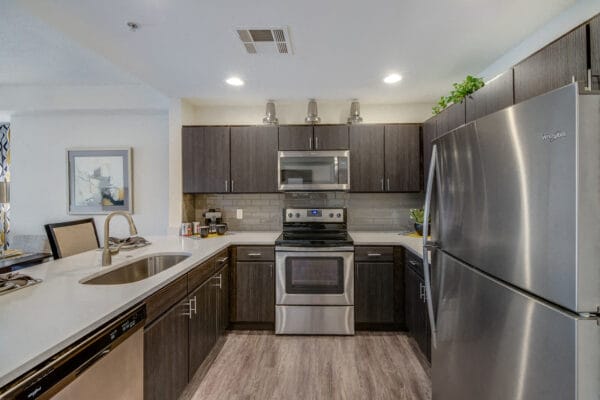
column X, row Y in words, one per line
column 186, row 229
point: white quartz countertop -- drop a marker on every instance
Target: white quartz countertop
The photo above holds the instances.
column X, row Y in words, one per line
column 41, row 320
column 362, row 238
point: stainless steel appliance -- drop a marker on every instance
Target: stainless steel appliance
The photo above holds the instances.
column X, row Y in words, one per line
column 107, row 364
column 514, row 291
column 314, row 273
column 212, row 218
column 314, row 170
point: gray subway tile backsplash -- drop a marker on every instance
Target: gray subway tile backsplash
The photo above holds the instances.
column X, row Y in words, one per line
column 263, row 212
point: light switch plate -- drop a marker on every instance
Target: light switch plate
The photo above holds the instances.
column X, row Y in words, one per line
column 240, row 213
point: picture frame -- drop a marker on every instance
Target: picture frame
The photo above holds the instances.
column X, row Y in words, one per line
column 99, row 180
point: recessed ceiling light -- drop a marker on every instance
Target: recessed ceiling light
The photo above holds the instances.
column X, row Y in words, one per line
column 234, row 81
column 392, row 78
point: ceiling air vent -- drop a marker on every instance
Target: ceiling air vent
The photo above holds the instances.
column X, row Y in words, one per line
column 265, row 40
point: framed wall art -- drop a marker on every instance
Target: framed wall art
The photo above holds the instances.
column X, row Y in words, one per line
column 99, row 180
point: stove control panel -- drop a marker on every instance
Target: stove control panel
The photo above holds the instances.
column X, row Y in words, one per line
column 331, row 215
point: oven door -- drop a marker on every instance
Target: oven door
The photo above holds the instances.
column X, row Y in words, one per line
column 314, row 170
column 318, row 276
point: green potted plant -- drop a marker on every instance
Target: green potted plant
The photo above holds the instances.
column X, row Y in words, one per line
column 461, row 90
column 417, row 215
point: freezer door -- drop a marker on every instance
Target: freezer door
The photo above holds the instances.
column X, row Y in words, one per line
column 508, row 198
column 496, row 343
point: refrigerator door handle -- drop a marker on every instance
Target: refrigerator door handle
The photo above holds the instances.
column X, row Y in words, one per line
column 427, row 245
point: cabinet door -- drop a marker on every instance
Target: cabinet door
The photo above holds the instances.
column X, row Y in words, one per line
column 552, row 67
column 366, row 158
column 255, row 292
column 254, row 159
column 450, row 118
column 223, row 301
column 374, row 292
column 494, row 96
column 203, row 328
column 296, row 137
column 331, row 137
column 416, row 310
column 205, row 157
column 402, row 158
column 595, row 51
column 166, row 354
column 429, row 134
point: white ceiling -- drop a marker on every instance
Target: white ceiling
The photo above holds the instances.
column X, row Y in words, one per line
column 31, row 53
column 342, row 49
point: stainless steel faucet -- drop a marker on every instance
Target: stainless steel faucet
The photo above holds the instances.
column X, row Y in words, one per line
column 107, row 253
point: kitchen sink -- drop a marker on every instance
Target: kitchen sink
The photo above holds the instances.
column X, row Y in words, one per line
column 137, row 270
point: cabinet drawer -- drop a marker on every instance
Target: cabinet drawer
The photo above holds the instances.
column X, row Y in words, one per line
column 221, row 259
column 256, row 253
column 374, row 253
column 415, row 262
column 200, row 274
column 162, row 300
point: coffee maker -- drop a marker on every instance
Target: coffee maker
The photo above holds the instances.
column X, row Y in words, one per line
column 212, row 217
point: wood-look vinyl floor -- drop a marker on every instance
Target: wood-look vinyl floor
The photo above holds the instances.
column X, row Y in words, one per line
column 260, row 365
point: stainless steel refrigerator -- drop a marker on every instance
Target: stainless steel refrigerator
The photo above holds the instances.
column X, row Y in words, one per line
column 514, row 282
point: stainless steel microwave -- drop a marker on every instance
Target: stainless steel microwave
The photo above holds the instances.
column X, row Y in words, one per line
column 314, row 170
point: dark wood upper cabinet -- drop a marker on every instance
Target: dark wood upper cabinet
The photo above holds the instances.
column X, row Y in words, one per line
column 331, row 137
column 495, row 95
column 374, row 292
column 205, row 159
column 429, row 134
column 166, row 354
column 402, row 158
column 595, row 51
column 366, row 158
column 253, row 159
column 553, row 66
column 254, row 292
column 450, row 118
column 296, row 137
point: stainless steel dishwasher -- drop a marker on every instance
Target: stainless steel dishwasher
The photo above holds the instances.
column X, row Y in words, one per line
column 106, row 364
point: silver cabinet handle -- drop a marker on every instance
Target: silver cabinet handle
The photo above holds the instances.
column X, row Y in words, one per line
column 421, row 291
column 382, row 188
column 254, row 254
column 223, row 260
column 310, row 143
column 412, row 262
column 374, row 254
column 316, row 142
column 220, row 278
column 388, row 184
column 192, row 305
column 225, row 184
column 232, row 185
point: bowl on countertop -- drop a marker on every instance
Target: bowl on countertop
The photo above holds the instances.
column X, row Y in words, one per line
column 221, row 229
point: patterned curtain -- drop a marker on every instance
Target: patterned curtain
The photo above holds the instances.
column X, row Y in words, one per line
column 4, row 171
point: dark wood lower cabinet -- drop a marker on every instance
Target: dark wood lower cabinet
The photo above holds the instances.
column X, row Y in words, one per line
column 178, row 342
column 374, row 292
column 223, row 300
column 379, row 288
column 166, row 354
column 255, row 292
column 203, row 325
column 417, row 319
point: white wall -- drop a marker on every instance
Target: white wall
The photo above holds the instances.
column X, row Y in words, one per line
column 332, row 112
column 574, row 16
column 39, row 169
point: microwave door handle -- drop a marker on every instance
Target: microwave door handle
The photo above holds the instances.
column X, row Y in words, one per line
column 427, row 245
column 336, row 170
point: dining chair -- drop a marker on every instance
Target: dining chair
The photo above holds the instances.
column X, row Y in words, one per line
column 72, row 237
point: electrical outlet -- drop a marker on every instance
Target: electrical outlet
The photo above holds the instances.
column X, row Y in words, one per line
column 240, row 213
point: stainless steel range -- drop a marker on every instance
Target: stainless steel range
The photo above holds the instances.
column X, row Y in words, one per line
column 314, row 273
